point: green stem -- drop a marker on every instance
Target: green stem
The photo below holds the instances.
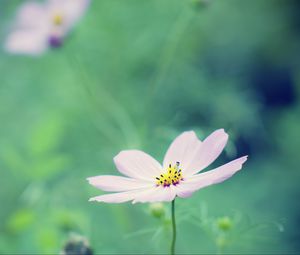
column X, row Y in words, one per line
column 173, row 228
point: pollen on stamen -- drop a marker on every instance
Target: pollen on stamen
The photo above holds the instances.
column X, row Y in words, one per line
column 57, row 19
column 172, row 176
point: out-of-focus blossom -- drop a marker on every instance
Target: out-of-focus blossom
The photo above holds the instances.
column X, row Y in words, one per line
column 178, row 176
column 39, row 26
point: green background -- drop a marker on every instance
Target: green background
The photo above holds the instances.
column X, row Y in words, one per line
column 135, row 74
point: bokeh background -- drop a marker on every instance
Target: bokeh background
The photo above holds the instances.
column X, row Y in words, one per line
column 135, row 74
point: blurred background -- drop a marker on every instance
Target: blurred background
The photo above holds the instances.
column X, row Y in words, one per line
column 135, row 74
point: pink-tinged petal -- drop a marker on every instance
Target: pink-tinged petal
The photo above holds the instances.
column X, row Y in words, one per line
column 137, row 164
column 156, row 194
column 31, row 15
column 182, row 150
column 214, row 176
column 117, row 183
column 71, row 10
column 120, row 197
column 26, row 42
column 183, row 190
column 205, row 154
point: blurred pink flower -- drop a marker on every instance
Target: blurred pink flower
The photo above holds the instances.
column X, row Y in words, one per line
column 148, row 181
column 42, row 25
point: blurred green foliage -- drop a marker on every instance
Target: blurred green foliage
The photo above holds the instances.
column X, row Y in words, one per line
column 134, row 74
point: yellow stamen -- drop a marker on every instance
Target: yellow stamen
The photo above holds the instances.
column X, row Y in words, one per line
column 57, row 19
column 172, row 176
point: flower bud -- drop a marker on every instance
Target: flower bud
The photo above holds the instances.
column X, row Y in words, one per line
column 224, row 223
column 157, row 210
column 221, row 242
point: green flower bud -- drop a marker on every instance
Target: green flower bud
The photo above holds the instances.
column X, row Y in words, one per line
column 157, row 210
column 224, row 223
column 221, row 242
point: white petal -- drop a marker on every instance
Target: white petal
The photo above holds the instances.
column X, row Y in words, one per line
column 71, row 10
column 157, row 194
column 120, row 197
column 31, row 15
column 183, row 190
column 205, row 154
column 137, row 164
column 214, row 176
column 117, row 183
column 29, row 42
column 182, row 150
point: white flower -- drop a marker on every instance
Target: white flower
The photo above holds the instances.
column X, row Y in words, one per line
column 148, row 181
column 39, row 26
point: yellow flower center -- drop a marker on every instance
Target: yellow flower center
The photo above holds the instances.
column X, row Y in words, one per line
column 172, row 177
column 57, row 19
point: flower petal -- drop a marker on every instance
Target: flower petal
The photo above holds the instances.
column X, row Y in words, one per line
column 182, row 149
column 120, row 197
column 215, row 176
column 157, row 194
column 205, row 154
column 31, row 42
column 137, row 164
column 117, row 183
column 71, row 10
column 183, row 190
column 31, row 15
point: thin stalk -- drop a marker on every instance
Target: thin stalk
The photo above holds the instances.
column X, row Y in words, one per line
column 173, row 228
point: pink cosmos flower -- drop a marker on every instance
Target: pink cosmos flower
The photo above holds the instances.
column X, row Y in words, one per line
column 149, row 181
column 42, row 25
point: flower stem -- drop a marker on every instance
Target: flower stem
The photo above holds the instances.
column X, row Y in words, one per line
column 173, row 228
